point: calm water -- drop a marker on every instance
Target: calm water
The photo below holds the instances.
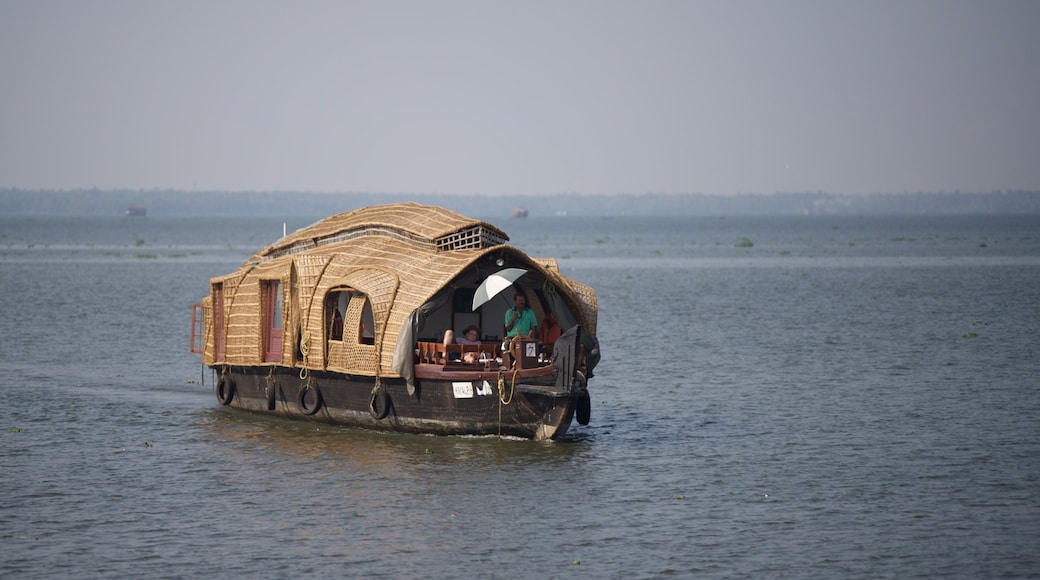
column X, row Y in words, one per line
column 824, row 397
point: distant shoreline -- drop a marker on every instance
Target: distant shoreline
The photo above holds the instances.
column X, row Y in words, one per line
column 283, row 203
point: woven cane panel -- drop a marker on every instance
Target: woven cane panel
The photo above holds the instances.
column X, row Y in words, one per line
column 548, row 263
column 421, row 224
column 308, row 270
column 337, row 358
column 587, row 300
column 360, row 358
column 209, row 344
column 244, row 332
column 243, row 324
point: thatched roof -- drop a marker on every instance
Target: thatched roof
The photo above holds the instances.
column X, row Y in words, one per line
column 421, row 225
column 399, row 255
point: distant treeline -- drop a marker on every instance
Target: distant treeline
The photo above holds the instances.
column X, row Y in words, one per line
column 289, row 203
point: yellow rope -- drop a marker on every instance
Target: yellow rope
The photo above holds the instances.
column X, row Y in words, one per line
column 501, row 386
column 501, row 389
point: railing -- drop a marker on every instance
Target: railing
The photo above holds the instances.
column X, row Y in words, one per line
column 447, row 355
column 437, row 353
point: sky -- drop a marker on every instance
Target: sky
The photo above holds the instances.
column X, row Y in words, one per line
column 536, row 97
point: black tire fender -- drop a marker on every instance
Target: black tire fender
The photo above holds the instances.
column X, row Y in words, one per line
column 225, row 390
column 272, row 392
column 583, row 409
column 301, row 399
column 379, row 404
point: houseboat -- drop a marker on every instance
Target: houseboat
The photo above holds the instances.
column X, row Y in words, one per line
column 346, row 321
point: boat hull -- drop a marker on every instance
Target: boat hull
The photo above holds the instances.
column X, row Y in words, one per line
column 488, row 403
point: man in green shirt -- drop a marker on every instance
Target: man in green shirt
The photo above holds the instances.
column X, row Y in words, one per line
column 520, row 320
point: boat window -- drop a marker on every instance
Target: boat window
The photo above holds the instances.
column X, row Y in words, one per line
column 335, row 306
column 348, row 313
column 271, row 314
column 360, row 311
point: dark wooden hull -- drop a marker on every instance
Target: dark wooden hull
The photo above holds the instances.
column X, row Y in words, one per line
column 527, row 404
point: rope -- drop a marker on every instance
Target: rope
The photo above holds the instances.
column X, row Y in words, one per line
column 502, row 400
column 501, row 384
column 372, row 395
column 501, row 389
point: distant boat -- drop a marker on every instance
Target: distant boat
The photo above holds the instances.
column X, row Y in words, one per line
column 520, row 212
column 136, row 211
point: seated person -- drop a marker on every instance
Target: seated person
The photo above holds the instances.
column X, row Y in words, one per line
column 471, row 335
column 549, row 330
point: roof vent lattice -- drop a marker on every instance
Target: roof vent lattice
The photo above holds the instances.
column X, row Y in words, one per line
column 472, row 238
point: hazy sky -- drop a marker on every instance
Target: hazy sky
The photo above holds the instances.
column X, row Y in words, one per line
column 521, row 97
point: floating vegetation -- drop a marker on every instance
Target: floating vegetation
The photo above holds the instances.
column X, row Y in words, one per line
column 970, row 335
column 983, row 245
column 145, row 256
column 16, row 430
column 744, row 243
column 19, row 537
column 139, row 243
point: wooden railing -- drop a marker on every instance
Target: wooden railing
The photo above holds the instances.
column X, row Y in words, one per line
column 437, row 353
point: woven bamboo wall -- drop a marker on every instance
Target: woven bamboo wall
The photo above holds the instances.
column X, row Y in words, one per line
column 587, row 302
column 244, row 326
column 209, row 343
column 358, row 359
column 397, row 276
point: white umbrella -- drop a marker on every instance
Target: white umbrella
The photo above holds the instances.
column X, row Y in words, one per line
column 494, row 284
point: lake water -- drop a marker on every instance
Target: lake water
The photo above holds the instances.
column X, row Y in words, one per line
column 785, row 397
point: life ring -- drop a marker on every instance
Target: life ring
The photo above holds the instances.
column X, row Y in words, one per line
column 583, row 409
column 301, row 399
column 379, row 404
column 272, row 392
column 225, row 390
